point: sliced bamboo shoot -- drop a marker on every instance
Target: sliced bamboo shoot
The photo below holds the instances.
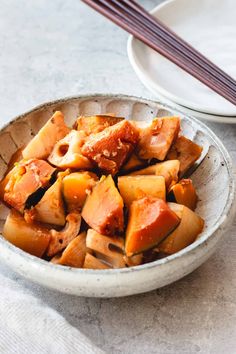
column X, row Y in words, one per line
column 31, row 238
column 136, row 187
column 168, row 169
column 92, row 262
column 191, row 225
column 51, row 209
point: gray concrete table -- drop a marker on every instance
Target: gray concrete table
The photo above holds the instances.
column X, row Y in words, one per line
column 51, row 49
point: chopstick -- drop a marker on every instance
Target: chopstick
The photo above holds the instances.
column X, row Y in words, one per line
column 164, row 36
column 134, row 19
column 178, row 42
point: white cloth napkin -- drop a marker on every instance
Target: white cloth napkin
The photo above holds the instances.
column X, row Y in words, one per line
column 29, row 326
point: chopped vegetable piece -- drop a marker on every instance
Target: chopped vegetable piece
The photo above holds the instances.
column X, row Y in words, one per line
column 176, row 208
column 134, row 260
column 150, row 220
column 168, row 169
column 136, row 187
column 67, row 152
column 133, row 163
column 184, row 193
column 25, row 179
column 50, row 209
column 155, row 140
column 76, row 187
column 109, row 249
column 111, row 148
column 31, row 238
column 74, row 254
column 150, row 170
column 96, row 124
column 191, row 225
column 61, row 239
column 103, row 209
column 186, row 151
column 42, row 144
column 92, row 262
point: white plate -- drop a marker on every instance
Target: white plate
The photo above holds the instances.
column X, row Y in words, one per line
column 210, row 26
column 213, row 179
column 191, row 112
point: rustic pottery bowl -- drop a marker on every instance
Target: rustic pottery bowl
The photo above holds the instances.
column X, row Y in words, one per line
column 213, row 179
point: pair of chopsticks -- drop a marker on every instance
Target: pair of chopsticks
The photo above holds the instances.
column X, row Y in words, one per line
column 133, row 18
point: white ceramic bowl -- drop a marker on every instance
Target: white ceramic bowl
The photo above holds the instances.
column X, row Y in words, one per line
column 213, row 179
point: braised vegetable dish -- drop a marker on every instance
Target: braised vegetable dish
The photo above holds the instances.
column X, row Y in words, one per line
column 107, row 193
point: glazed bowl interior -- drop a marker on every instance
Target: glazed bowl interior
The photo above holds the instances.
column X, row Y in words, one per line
column 213, row 180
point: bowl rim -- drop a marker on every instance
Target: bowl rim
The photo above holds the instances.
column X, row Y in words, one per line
column 228, row 210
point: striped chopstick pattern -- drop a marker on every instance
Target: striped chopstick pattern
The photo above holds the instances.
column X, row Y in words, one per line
column 129, row 15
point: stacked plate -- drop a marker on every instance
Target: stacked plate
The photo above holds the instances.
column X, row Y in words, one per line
column 210, row 26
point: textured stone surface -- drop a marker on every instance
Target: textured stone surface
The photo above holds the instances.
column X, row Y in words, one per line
column 51, row 49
